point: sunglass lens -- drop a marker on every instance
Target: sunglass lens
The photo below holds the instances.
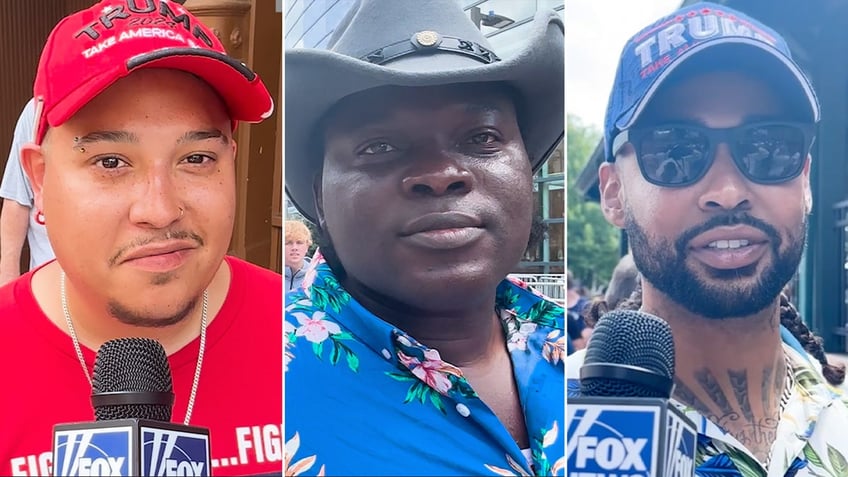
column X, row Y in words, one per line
column 771, row 153
column 673, row 156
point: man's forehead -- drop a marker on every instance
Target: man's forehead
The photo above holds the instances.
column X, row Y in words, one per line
column 384, row 102
column 162, row 84
column 698, row 98
column 160, row 96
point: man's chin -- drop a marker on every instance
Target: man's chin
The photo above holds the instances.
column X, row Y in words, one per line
column 717, row 276
column 726, row 307
column 724, row 298
column 143, row 316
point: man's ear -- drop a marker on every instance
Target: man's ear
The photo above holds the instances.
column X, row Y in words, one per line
column 612, row 203
column 32, row 161
column 808, row 194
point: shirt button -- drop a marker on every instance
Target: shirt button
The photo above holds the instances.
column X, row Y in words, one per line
column 386, row 354
column 463, row 410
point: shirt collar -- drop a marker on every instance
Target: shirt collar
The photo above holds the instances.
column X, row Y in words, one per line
column 382, row 337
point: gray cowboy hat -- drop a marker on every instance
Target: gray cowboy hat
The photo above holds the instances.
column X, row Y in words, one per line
column 417, row 43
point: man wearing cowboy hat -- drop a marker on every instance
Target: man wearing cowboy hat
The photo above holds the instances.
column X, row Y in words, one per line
column 412, row 144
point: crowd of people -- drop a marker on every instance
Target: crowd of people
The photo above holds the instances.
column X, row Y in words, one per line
column 584, row 307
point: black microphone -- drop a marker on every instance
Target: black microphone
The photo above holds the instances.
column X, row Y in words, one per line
column 622, row 423
column 132, row 380
column 630, row 354
column 132, row 396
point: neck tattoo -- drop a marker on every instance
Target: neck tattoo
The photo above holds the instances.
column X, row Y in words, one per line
column 733, row 412
column 203, row 322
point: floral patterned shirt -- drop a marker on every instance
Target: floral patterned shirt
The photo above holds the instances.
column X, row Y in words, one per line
column 365, row 398
column 812, row 435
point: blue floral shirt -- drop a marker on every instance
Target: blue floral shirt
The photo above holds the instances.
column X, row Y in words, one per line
column 811, row 440
column 365, row 398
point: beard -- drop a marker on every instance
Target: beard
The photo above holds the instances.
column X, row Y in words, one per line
column 130, row 317
column 720, row 295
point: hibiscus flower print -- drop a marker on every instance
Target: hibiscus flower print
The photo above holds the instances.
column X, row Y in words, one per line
column 312, row 270
column 432, row 371
column 517, row 339
column 288, row 331
column 518, row 282
column 291, row 468
column 315, row 328
column 517, row 470
column 554, row 348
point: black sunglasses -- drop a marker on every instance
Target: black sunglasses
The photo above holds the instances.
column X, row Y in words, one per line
column 678, row 155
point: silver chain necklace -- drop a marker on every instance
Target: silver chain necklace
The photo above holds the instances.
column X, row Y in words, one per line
column 196, row 380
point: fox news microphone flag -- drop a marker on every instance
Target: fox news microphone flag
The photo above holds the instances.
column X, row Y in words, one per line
column 622, row 424
column 132, row 395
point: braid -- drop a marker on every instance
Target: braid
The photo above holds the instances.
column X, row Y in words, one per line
column 634, row 301
column 598, row 307
column 791, row 320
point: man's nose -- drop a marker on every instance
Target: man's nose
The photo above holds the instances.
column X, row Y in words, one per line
column 158, row 204
column 439, row 173
column 724, row 186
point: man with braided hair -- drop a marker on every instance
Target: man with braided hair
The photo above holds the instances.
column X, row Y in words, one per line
column 716, row 242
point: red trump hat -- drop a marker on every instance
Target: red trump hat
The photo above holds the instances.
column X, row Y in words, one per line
column 91, row 49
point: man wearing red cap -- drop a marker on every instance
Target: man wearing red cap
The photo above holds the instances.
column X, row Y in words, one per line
column 133, row 169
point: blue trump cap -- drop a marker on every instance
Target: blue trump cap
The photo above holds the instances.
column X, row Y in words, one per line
column 705, row 32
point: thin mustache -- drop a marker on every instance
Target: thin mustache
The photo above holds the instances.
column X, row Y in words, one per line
column 181, row 235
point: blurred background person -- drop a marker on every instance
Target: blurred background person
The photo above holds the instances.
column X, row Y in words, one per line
column 298, row 241
column 575, row 328
column 19, row 222
column 625, row 279
column 624, row 282
column 575, row 301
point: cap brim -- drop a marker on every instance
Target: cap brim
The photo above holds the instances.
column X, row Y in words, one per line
column 246, row 97
column 756, row 57
column 317, row 79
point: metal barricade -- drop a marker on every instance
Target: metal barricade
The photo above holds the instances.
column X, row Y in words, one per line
column 550, row 285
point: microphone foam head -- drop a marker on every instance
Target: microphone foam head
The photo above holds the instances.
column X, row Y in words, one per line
column 132, row 365
column 635, row 340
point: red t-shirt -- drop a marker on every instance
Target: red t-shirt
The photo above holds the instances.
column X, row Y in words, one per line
column 239, row 396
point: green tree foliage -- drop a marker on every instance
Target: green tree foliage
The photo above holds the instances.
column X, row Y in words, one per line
column 593, row 244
